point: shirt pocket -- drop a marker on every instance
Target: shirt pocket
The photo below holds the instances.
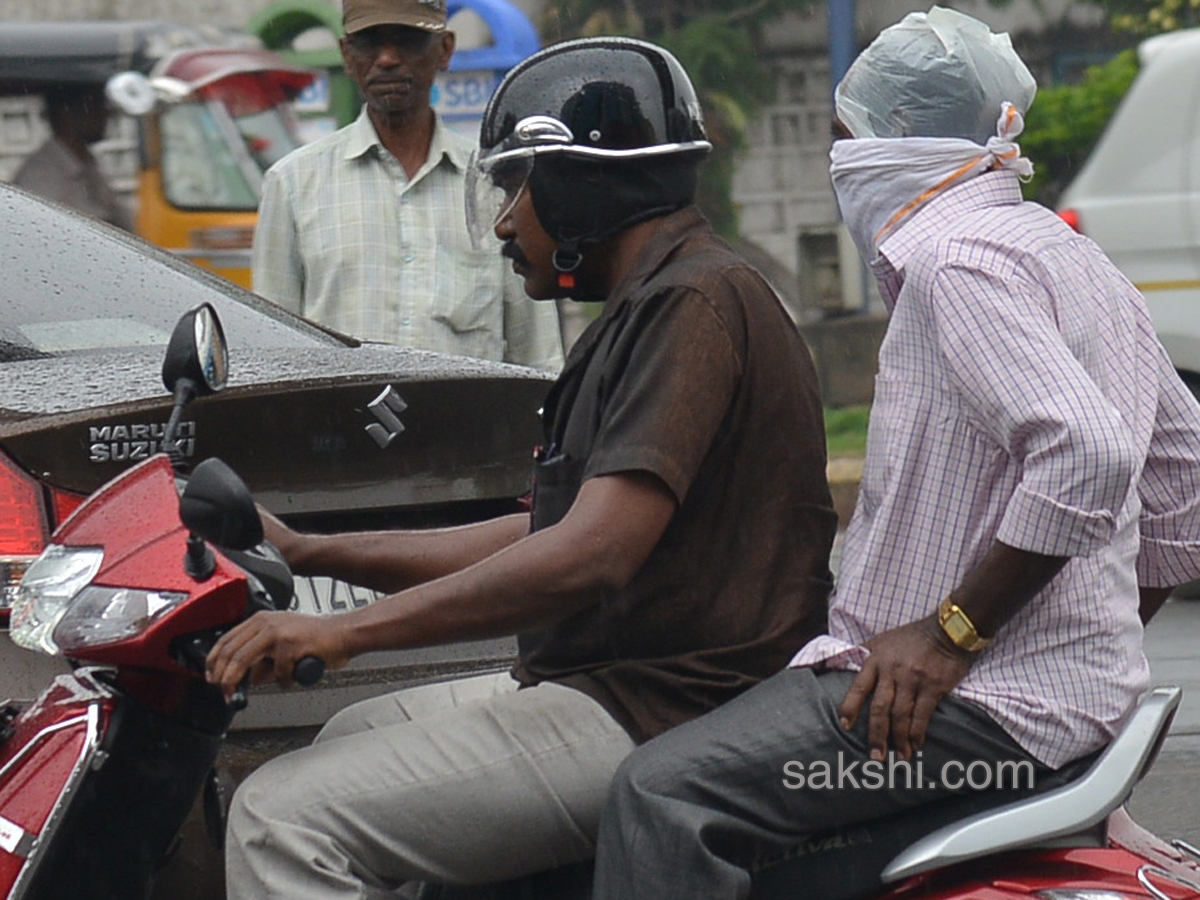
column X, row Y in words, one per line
column 556, row 482
column 469, row 295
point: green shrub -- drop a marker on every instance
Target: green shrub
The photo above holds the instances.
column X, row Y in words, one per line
column 846, row 430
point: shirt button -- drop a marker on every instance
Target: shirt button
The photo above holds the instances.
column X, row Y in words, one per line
column 407, row 320
column 408, row 257
column 404, row 198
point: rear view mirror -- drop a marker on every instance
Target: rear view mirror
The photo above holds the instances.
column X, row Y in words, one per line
column 196, row 364
column 216, row 505
column 197, row 354
column 136, row 95
column 131, row 93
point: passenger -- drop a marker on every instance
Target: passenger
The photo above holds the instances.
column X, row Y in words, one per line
column 1032, row 484
column 64, row 169
column 678, row 546
column 364, row 230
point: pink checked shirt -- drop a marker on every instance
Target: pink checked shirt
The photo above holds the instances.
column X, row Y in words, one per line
column 1022, row 396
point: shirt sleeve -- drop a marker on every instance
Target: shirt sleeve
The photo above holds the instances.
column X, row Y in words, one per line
column 532, row 335
column 1170, row 487
column 278, row 270
column 1024, row 388
column 673, row 379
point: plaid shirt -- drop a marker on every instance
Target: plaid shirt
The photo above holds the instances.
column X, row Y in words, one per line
column 1022, row 396
column 346, row 239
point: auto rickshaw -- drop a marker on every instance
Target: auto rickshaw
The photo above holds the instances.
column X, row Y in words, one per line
column 210, row 119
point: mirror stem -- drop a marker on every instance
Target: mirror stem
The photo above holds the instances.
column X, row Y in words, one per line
column 199, row 561
column 185, row 392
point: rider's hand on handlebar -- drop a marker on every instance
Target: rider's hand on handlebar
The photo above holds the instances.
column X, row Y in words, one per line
column 909, row 671
column 269, row 644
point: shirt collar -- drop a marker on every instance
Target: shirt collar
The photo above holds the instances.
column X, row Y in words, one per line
column 672, row 229
column 669, row 232
column 362, row 138
column 1000, row 188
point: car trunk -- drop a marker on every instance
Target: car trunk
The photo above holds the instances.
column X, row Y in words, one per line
column 439, row 441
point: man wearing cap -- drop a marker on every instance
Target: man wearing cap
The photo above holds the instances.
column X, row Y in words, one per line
column 1031, row 493
column 364, row 230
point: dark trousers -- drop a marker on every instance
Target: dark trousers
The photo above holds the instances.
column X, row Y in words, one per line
column 697, row 811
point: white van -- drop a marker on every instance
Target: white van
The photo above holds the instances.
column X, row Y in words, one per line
column 1138, row 195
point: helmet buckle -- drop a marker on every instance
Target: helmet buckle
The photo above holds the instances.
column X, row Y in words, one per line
column 567, row 259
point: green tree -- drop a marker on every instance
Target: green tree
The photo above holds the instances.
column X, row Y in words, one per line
column 1148, row 17
column 717, row 42
column 1065, row 122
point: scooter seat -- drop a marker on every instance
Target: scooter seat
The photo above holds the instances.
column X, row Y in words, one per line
column 1056, row 817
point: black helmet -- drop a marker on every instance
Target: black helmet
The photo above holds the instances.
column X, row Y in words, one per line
column 608, row 132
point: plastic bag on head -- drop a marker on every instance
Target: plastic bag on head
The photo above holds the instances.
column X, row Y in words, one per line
column 935, row 74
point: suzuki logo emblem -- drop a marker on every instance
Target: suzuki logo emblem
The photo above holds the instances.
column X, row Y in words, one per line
column 386, row 408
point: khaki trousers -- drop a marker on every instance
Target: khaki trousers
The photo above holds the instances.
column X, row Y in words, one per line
column 462, row 782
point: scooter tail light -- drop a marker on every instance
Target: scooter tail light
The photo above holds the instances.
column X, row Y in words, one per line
column 24, row 529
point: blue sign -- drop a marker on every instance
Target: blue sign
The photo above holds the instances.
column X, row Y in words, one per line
column 315, row 97
column 462, row 94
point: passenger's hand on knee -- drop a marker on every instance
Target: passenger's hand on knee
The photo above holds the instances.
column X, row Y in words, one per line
column 909, row 671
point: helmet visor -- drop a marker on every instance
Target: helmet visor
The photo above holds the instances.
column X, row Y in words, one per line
column 495, row 183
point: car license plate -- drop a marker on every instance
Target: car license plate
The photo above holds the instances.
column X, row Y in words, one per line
column 325, row 596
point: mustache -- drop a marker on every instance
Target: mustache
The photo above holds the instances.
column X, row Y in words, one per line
column 514, row 252
column 389, row 79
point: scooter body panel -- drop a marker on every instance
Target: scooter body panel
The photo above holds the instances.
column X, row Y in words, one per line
column 1023, row 874
column 43, row 762
column 98, row 786
column 135, row 519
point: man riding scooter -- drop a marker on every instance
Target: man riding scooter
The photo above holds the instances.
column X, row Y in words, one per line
column 1031, row 492
column 677, row 550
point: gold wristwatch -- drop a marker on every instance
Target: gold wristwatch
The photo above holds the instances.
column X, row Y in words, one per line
column 959, row 628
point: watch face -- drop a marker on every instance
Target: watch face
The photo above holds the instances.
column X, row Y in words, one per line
column 960, row 629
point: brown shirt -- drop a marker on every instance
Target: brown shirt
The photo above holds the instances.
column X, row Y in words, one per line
column 695, row 373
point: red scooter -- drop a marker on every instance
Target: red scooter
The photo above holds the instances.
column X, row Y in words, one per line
column 99, row 772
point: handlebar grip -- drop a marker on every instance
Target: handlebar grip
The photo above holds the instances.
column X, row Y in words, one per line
column 308, row 670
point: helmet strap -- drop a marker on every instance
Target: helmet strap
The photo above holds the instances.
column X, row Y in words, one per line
column 567, row 259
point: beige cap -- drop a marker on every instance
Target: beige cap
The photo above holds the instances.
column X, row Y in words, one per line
column 428, row 15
